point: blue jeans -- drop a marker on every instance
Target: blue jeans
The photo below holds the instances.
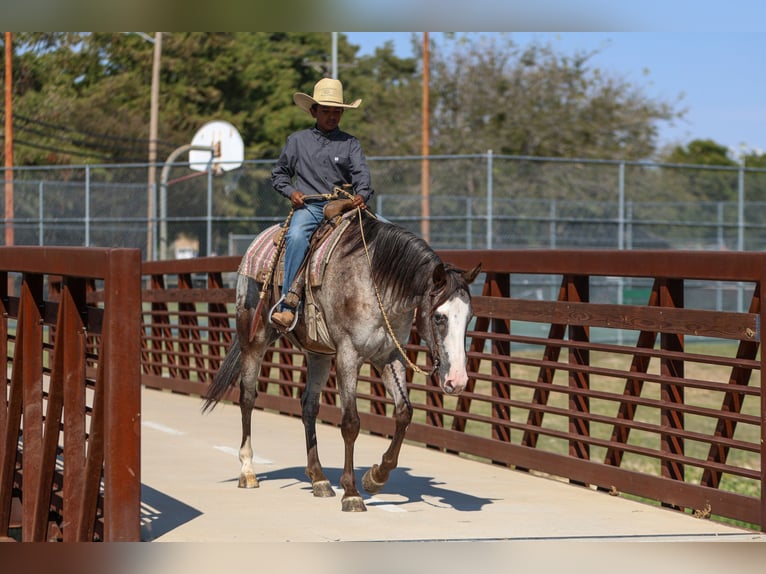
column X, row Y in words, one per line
column 305, row 220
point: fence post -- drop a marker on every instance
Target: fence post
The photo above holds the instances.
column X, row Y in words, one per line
column 209, row 213
column 41, row 212
column 740, row 228
column 87, row 206
column 489, row 199
column 122, row 397
column 468, row 223
column 621, row 207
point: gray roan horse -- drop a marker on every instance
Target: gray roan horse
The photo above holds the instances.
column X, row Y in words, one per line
column 385, row 274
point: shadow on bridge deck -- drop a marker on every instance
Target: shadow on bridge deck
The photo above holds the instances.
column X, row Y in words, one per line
column 189, row 491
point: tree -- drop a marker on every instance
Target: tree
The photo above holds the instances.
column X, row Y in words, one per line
column 388, row 122
column 84, row 97
column 754, row 159
column 700, row 152
column 490, row 94
column 705, row 183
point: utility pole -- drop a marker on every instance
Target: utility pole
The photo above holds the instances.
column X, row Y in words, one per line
column 153, row 125
column 425, row 202
column 8, row 140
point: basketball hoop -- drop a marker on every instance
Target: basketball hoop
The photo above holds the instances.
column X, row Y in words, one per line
column 228, row 150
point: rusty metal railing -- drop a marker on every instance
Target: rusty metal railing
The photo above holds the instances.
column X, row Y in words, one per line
column 69, row 424
column 657, row 395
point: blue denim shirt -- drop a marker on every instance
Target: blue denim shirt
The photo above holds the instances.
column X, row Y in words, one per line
column 314, row 162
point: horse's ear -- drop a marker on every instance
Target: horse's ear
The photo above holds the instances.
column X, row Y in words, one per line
column 439, row 276
column 469, row 276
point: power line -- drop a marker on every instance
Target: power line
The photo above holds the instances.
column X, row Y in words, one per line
column 84, row 140
column 17, row 141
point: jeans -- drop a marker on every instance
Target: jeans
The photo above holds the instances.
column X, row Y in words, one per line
column 305, row 220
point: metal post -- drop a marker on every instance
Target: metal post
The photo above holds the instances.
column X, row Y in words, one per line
column 334, row 55
column 209, row 212
column 468, row 223
column 425, row 177
column 41, row 213
column 153, row 129
column 621, row 207
column 87, row 206
column 552, row 224
column 489, row 199
column 740, row 228
column 741, row 209
column 8, row 140
column 721, row 247
column 164, row 190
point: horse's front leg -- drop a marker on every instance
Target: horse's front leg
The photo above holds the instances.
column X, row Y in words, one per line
column 347, row 372
column 318, row 371
column 393, row 376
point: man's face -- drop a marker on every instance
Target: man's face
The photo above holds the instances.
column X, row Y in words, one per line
column 327, row 117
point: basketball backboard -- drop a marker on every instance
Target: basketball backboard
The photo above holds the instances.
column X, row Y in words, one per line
column 224, row 139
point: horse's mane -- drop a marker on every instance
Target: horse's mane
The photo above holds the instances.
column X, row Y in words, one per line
column 402, row 262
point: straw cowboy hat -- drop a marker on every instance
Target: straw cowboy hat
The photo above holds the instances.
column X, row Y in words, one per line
column 327, row 92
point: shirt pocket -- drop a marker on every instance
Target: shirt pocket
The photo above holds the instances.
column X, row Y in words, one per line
column 340, row 160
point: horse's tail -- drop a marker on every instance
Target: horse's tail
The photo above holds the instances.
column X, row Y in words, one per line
column 226, row 376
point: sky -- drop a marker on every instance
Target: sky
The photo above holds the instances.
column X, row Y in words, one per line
column 719, row 76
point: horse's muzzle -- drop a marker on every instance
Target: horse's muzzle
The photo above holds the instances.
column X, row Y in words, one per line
column 454, row 382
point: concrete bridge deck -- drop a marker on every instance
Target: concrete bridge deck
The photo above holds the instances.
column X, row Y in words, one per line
column 189, row 491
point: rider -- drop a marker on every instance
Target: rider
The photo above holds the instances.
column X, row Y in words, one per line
column 314, row 161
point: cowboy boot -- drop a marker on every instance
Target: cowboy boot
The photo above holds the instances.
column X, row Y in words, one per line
column 284, row 318
column 286, row 315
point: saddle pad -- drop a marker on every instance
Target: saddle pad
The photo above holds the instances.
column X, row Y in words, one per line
column 255, row 263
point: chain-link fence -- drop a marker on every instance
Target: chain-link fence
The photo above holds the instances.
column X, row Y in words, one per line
column 481, row 201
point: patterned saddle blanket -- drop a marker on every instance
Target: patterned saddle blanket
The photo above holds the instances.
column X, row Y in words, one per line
column 259, row 255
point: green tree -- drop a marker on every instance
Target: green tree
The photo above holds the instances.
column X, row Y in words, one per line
column 754, row 159
column 389, row 119
column 703, row 183
column 700, row 152
column 491, row 94
column 84, row 98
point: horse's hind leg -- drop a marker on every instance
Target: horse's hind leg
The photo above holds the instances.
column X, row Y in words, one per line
column 393, row 376
column 250, row 366
column 318, row 371
column 248, row 392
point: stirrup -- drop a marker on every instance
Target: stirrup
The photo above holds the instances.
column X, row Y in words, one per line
column 281, row 327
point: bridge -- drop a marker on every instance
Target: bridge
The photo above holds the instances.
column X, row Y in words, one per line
column 563, row 434
column 189, row 491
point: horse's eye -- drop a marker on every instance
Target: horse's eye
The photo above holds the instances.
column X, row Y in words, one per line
column 440, row 319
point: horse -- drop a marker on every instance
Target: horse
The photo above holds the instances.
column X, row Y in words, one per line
column 378, row 277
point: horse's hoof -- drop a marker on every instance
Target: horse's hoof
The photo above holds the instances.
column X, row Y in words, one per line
column 353, row 504
column 248, row 481
column 370, row 484
column 323, row 489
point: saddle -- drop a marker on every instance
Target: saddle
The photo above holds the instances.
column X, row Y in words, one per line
column 259, row 256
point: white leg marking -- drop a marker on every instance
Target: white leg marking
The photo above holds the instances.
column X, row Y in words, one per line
column 235, row 452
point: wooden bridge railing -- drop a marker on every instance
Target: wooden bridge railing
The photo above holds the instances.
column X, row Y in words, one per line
column 615, row 370
column 69, row 420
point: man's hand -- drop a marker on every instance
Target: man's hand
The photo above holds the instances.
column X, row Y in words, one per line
column 358, row 201
column 296, row 199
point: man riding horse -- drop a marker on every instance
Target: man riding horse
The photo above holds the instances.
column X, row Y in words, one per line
column 312, row 162
column 376, row 279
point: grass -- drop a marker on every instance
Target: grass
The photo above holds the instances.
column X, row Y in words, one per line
column 704, row 423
